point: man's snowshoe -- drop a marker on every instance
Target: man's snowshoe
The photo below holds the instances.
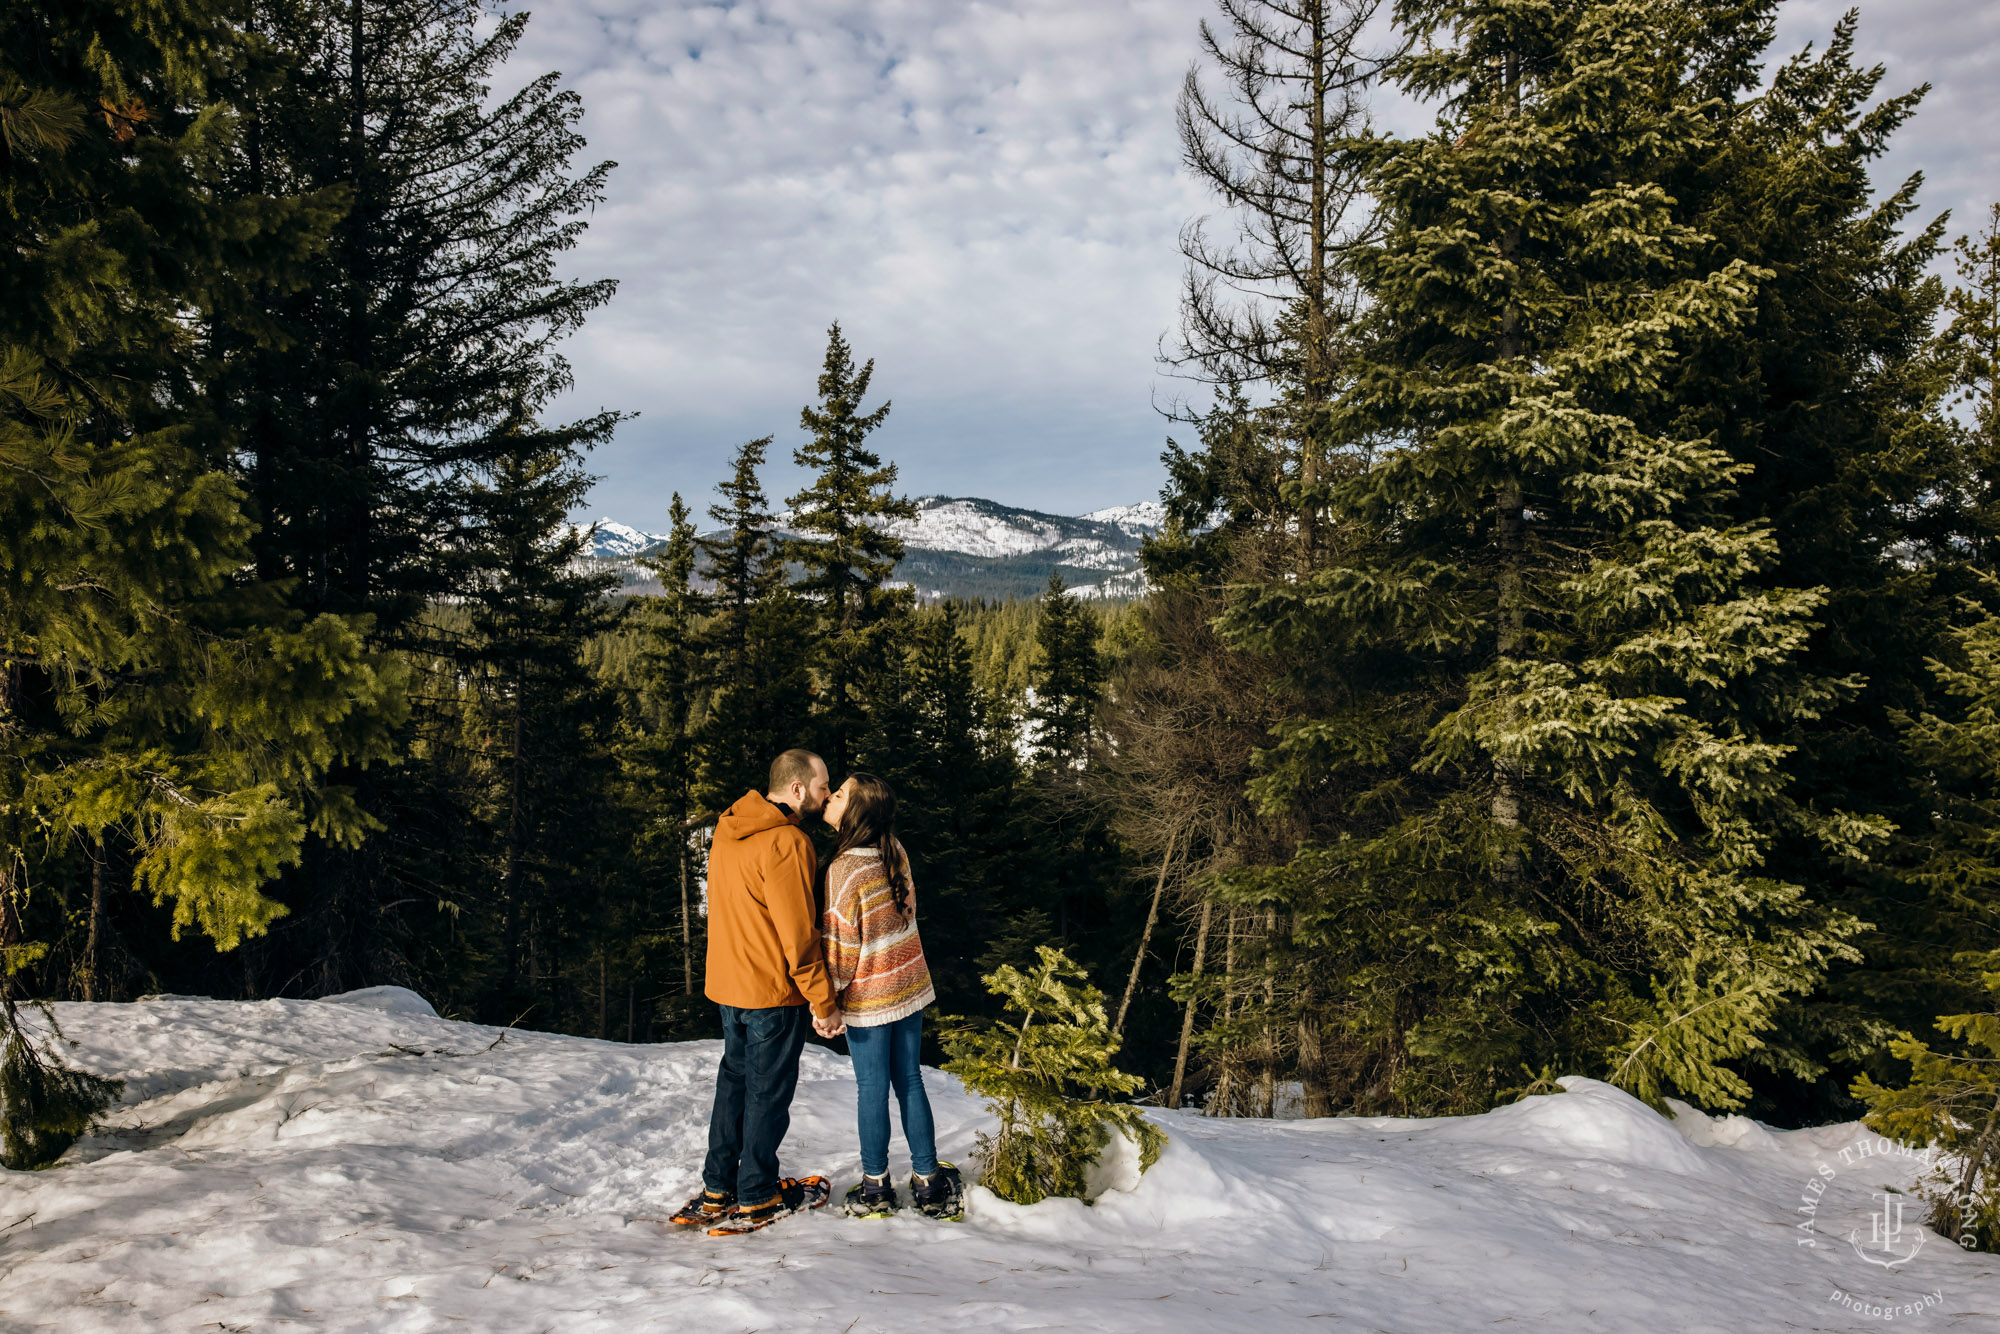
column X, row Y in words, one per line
column 942, row 1197
column 795, row 1195
column 706, row 1209
column 870, row 1199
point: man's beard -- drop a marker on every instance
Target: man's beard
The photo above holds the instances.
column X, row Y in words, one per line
column 808, row 808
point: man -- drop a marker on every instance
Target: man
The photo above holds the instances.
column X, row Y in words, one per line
column 766, row 972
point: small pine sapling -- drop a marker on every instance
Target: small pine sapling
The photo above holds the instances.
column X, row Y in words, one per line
column 1042, row 1079
column 47, row 1105
column 1952, row 1102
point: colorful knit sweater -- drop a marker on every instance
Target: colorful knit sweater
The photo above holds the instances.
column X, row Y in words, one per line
column 872, row 951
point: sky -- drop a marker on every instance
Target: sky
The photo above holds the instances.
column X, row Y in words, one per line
column 985, row 194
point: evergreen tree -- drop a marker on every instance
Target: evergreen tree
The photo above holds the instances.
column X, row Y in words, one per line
column 547, row 723
column 846, row 551
column 1076, row 864
column 1271, row 306
column 153, row 697
column 741, row 558
column 1274, row 310
column 661, row 757
column 1558, row 756
column 1951, row 1105
column 1068, row 681
column 1972, row 352
column 367, row 395
column 1042, row 1082
column 756, row 646
column 1829, row 396
column 947, row 747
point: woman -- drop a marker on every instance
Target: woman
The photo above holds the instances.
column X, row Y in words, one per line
column 882, row 984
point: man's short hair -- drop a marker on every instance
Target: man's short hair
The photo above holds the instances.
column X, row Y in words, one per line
column 794, row 766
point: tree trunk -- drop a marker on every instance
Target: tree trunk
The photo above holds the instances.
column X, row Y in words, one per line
column 1218, row 1104
column 1314, row 1097
column 93, row 941
column 1509, row 537
column 511, row 882
column 10, row 919
column 1145, row 936
column 10, row 888
column 1269, row 1080
column 1187, row 1016
column 1317, row 381
column 687, row 928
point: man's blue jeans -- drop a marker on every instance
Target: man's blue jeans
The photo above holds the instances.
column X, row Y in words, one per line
column 885, row 1058
column 753, row 1099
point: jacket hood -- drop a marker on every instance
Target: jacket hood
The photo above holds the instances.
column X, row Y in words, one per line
column 752, row 814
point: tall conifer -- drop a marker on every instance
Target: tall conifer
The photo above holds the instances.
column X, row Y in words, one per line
column 663, row 756
column 845, row 549
column 545, row 722
column 368, row 395
column 153, row 696
column 1559, row 734
column 757, row 642
column 947, row 747
column 1068, row 681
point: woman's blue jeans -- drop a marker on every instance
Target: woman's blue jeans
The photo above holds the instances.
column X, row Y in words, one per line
column 885, row 1059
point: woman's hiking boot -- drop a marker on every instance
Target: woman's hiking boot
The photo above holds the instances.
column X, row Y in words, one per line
column 795, row 1195
column 707, row 1208
column 940, row 1195
column 872, row 1197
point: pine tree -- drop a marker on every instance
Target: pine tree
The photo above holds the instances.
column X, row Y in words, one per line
column 153, row 698
column 1972, row 350
column 1558, row 748
column 1068, row 681
column 1273, row 310
column 1270, row 307
column 756, row 645
column 741, row 558
column 1951, row 1105
column 662, row 756
column 367, row 395
column 1831, row 397
column 845, row 550
column 1042, row 1081
column 947, row 748
column 547, row 722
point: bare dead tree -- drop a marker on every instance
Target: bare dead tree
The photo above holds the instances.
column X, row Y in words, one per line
column 1276, row 146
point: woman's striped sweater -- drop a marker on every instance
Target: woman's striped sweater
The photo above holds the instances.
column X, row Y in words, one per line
column 877, row 961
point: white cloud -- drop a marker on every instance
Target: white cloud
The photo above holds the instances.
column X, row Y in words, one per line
column 986, row 196
column 1953, row 45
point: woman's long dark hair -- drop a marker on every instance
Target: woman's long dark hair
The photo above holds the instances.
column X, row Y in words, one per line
column 870, row 822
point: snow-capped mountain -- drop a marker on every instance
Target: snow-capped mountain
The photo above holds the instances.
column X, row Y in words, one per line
column 616, row 541
column 962, row 546
column 1148, row 516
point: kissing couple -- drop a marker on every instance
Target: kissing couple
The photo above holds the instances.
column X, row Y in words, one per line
column 777, row 961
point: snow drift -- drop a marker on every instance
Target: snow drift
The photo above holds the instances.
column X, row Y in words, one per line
column 360, row 1164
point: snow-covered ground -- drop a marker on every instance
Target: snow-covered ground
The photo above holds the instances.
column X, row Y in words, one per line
column 364, row 1165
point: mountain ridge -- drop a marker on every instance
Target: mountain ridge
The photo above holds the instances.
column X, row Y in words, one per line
column 959, row 547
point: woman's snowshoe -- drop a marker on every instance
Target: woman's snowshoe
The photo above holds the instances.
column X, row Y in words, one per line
column 943, row 1196
column 870, row 1199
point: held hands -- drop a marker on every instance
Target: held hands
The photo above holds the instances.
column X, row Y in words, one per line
column 829, row 1028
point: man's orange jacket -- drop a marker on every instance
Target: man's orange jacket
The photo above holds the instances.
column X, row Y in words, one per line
column 763, row 922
